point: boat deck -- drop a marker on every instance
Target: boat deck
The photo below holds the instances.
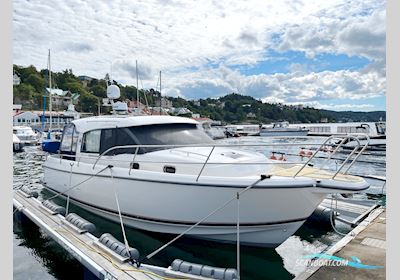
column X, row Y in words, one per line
column 311, row 173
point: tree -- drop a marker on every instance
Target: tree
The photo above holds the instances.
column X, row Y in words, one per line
column 36, row 81
column 99, row 91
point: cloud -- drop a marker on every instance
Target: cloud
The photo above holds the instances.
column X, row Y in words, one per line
column 197, row 44
column 356, row 35
column 291, row 87
column 78, row 47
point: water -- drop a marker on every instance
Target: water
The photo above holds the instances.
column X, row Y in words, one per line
column 38, row 257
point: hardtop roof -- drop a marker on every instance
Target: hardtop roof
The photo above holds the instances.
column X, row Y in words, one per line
column 114, row 121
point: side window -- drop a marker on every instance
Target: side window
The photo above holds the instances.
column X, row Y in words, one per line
column 107, row 140
column 75, row 141
column 66, row 142
column 91, row 142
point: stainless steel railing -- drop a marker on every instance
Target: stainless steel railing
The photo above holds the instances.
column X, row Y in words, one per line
column 355, row 137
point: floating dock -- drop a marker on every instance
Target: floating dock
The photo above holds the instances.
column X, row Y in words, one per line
column 367, row 242
column 103, row 262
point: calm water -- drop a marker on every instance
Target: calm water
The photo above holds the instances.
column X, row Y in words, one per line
column 37, row 257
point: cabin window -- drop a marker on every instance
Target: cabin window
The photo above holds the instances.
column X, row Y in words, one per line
column 169, row 134
column 156, row 134
column 66, row 142
column 91, row 142
column 117, row 137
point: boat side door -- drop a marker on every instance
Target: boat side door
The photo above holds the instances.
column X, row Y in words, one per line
column 69, row 142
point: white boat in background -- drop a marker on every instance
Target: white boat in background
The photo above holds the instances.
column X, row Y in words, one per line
column 17, row 146
column 215, row 132
column 242, row 130
column 372, row 129
column 282, row 129
column 26, row 135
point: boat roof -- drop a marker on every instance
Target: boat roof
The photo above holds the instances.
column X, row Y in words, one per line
column 18, row 127
column 114, row 121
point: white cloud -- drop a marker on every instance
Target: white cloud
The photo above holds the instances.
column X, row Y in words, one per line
column 185, row 39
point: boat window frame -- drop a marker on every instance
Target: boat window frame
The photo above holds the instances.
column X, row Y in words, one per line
column 62, row 151
column 84, row 139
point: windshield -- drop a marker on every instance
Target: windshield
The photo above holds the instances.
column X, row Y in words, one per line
column 156, row 134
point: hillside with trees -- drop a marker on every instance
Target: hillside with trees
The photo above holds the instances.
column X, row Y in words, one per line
column 231, row 108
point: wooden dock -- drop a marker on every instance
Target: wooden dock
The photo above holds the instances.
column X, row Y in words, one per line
column 366, row 242
column 84, row 247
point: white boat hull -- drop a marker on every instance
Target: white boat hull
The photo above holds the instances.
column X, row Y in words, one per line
column 269, row 212
column 284, row 133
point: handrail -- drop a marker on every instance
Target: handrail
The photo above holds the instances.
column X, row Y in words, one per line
column 308, row 161
column 201, row 145
column 355, row 137
column 354, row 150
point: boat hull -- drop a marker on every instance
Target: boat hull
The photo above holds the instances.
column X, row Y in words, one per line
column 284, row 133
column 268, row 214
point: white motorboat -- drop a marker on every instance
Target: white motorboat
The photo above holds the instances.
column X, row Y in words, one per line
column 168, row 175
column 26, row 135
column 282, row 129
column 17, row 146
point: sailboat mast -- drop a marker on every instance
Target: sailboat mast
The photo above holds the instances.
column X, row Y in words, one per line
column 50, row 101
column 137, row 89
column 160, row 94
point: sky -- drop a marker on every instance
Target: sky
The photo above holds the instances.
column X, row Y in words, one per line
column 327, row 54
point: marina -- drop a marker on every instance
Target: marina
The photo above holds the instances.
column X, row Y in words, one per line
column 204, row 140
column 350, row 212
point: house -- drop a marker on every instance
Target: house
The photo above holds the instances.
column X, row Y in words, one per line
column 62, row 98
column 16, row 79
column 181, row 111
column 85, row 80
column 17, row 109
column 25, row 119
column 251, row 115
column 135, row 104
column 164, row 102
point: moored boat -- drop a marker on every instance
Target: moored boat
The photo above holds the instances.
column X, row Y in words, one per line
column 17, row 146
column 169, row 174
column 26, row 135
column 282, row 129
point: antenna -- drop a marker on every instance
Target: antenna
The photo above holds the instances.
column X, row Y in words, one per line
column 137, row 88
column 50, row 101
column 160, row 94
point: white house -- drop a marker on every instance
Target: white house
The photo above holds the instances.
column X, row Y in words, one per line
column 25, row 118
column 16, row 79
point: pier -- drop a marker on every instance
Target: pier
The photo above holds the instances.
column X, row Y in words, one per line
column 367, row 242
column 102, row 262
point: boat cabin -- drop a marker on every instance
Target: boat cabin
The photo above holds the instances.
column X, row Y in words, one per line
column 95, row 135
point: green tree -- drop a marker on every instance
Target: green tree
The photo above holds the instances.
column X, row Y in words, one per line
column 36, row 81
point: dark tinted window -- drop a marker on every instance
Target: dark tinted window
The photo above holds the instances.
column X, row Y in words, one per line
column 159, row 134
column 170, row 134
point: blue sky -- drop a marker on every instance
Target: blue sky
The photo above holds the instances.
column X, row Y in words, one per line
column 328, row 54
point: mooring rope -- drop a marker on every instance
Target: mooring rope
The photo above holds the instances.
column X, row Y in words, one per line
column 203, row 219
column 120, row 218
